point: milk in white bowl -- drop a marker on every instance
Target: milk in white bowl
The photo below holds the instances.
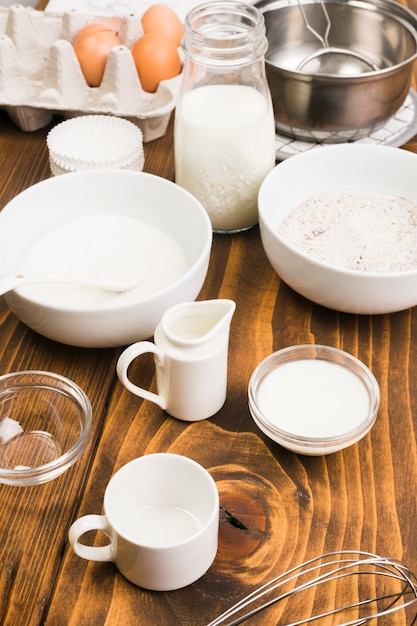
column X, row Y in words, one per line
column 116, row 248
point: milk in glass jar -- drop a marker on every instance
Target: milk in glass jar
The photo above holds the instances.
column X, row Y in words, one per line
column 224, row 122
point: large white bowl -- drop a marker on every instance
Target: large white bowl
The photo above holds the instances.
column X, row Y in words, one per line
column 148, row 198
column 345, row 167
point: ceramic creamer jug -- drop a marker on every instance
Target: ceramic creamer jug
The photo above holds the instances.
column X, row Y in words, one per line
column 191, row 354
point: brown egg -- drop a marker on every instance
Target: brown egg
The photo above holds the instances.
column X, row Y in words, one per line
column 160, row 18
column 99, row 23
column 156, row 58
column 88, row 30
column 92, row 46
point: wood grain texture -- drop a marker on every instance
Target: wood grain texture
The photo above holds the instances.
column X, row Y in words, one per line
column 277, row 508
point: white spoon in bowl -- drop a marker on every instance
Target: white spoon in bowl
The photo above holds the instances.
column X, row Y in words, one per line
column 110, row 282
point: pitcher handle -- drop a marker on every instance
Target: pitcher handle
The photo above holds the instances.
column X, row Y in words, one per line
column 126, row 358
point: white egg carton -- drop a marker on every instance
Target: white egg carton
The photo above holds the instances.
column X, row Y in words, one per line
column 40, row 75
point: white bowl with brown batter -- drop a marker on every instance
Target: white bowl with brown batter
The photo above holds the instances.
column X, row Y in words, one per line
column 339, row 226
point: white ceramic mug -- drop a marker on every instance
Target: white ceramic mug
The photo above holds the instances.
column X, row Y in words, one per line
column 190, row 353
column 161, row 514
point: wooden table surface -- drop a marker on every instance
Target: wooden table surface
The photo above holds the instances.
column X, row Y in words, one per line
column 290, row 507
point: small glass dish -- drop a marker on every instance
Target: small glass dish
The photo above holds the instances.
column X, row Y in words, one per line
column 45, row 423
column 313, row 399
column 95, row 142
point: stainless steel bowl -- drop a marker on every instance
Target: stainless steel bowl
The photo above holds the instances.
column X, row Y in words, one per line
column 332, row 107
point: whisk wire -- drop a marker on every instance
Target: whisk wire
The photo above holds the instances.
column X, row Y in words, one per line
column 315, row 582
column 324, row 39
column 336, row 568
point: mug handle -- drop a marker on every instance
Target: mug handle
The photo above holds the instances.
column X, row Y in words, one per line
column 82, row 526
column 126, row 358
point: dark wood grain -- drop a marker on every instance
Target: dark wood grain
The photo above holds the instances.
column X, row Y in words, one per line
column 278, row 508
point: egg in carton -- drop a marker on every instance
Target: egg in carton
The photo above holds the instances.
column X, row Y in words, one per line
column 40, row 75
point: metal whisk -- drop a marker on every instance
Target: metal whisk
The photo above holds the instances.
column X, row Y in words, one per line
column 394, row 588
column 332, row 59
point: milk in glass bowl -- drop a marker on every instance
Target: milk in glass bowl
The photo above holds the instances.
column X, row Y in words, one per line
column 313, row 399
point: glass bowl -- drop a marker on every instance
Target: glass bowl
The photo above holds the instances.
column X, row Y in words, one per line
column 45, row 423
column 313, row 399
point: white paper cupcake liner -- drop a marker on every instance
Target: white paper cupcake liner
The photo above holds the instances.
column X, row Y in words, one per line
column 95, row 142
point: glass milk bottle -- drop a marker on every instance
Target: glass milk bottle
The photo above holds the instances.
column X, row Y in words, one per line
column 224, row 122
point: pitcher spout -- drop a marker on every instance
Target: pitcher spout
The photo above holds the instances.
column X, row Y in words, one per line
column 199, row 322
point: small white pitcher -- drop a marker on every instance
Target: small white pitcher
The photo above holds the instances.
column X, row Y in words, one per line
column 190, row 353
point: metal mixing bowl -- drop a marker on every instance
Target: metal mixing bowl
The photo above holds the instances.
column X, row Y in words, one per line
column 311, row 104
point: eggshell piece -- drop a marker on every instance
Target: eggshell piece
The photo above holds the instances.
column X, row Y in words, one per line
column 113, row 22
column 160, row 18
column 156, row 58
